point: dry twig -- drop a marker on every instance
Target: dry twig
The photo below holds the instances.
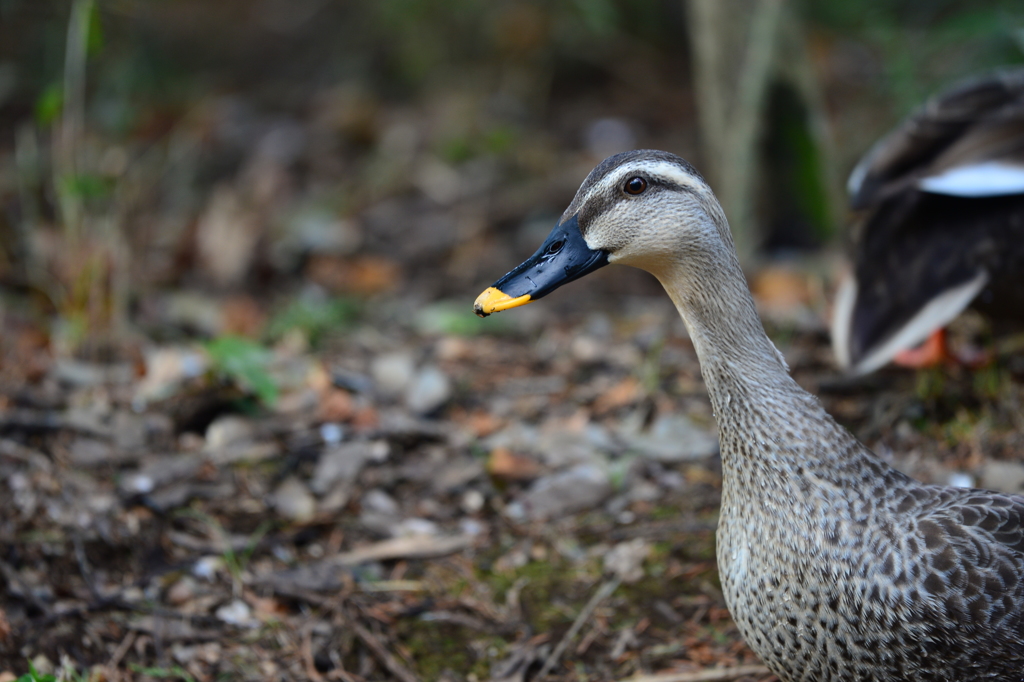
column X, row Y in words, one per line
column 121, row 650
column 307, row 655
column 602, row 593
column 382, row 653
column 710, row 675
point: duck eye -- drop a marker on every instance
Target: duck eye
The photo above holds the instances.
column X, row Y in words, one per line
column 555, row 247
column 635, row 185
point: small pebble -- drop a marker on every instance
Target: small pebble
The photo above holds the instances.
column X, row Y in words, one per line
column 183, row 590
column 472, row 501
column 236, row 613
column 472, row 527
column 207, row 567
column 228, row 430
column 42, row 665
column 293, row 500
column 626, row 559
column 429, row 390
column 415, row 526
column 140, row 484
column 1007, row 476
column 674, row 438
column 332, row 433
column 961, row 480
column 581, row 487
column 377, row 500
column 393, row 372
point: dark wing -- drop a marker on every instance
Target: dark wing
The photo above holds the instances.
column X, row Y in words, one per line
column 987, row 513
column 974, row 549
column 977, row 119
column 916, row 246
column 946, row 581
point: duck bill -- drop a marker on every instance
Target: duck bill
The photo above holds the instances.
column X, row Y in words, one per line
column 563, row 257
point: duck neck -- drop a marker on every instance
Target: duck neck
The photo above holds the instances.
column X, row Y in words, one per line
column 770, row 428
column 741, row 366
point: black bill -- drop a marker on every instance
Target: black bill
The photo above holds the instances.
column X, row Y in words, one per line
column 563, row 257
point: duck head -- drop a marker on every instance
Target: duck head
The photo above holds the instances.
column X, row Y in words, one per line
column 645, row 208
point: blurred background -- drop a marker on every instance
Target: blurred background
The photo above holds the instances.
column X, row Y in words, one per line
column 249, row 425
column 413, row 150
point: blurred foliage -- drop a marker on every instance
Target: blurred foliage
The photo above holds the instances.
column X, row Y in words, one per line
column 48, row 104
column 244, row 362
column 34, row 675
column 314, row 319
column 175, row 672
column 456, row 318
column 175, row 91
column 923, row 45
column 794, row 203
column 396, row 47
column 144, row 52
column 146, row 56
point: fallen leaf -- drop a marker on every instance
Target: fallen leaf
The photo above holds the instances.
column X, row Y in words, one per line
column 503, row 463
column 483, row 424
column 336, row 405
column 626, row 392
column 264, row 608
column 364, row 275
column 781, row 287
column 365, row 419
column 242, row 315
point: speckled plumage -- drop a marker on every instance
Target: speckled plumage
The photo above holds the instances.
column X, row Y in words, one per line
column 835, row 566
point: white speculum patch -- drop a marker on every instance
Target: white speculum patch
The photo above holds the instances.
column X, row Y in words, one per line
column 985, row 179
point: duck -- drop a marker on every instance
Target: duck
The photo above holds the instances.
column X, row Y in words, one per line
column 940, row 226
column 834, row 565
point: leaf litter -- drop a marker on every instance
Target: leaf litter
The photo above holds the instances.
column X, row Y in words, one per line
column 521, row 526
column 307, row 460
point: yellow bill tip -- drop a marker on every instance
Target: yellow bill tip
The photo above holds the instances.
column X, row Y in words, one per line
column 494, row 300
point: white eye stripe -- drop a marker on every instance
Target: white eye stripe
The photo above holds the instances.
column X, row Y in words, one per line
column 656, row 170
column 664, row 170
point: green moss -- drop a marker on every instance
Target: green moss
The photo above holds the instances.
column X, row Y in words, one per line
column 698, row 546
column 315, row 319
column 551, row 592
column 436, row 647
column 930, row 384
column 664, row 511
column 992, row 382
